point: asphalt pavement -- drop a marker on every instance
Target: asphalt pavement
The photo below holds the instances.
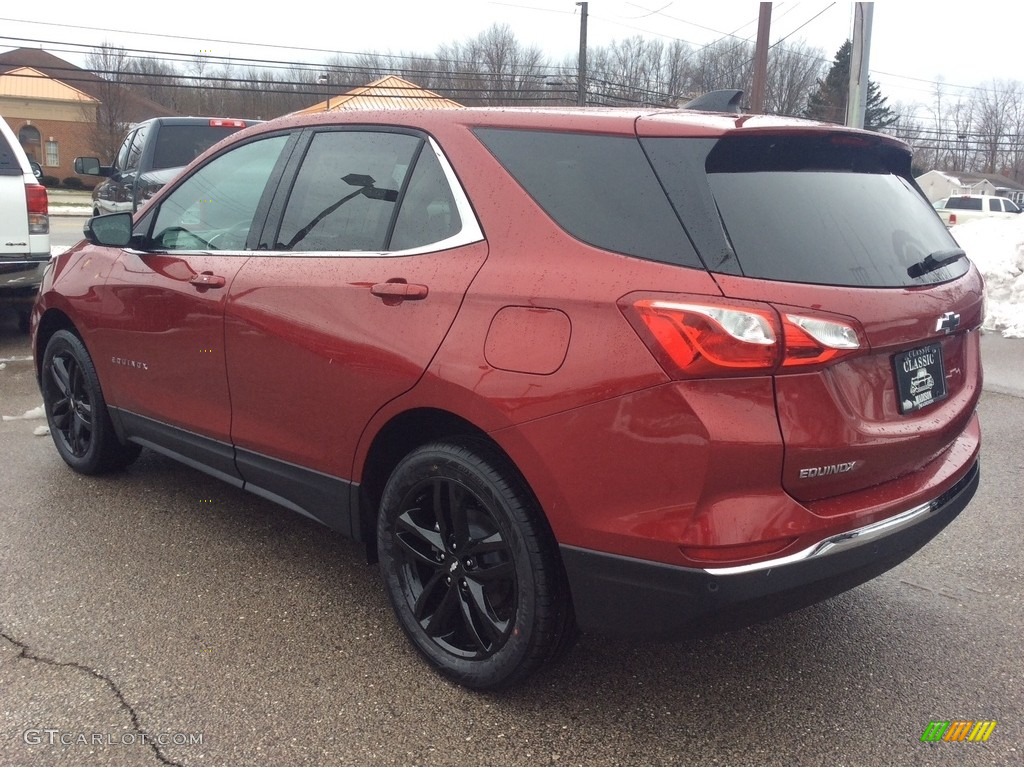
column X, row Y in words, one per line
column 158, row 616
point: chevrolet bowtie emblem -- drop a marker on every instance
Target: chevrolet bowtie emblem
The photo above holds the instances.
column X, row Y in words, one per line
column 948, row 323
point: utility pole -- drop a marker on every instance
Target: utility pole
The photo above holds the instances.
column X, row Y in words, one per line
column 857, row 101
column 764, row 23
column 581, row 75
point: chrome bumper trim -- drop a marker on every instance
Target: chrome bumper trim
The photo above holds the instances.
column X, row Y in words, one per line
column 849, row 540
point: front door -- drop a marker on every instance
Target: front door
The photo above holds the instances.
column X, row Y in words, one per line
column 166, row 335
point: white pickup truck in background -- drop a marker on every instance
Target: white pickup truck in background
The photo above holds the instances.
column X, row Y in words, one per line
column 24, row 227
column 957, row 209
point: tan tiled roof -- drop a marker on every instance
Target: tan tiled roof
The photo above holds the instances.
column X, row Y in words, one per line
column 391, row 92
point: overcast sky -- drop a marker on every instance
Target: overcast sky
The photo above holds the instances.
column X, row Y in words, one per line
column 913, row 44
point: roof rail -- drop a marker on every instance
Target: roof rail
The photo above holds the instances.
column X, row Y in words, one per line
column 717, row 101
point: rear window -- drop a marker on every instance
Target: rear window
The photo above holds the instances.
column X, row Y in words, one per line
column 965, row 203
column 178, row 145
column 599, row 189
column 829, row 210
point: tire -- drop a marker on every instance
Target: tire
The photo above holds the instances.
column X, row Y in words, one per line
column 76, row 411
column 470, row 567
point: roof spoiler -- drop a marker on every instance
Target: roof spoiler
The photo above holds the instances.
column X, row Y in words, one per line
column 717, row 101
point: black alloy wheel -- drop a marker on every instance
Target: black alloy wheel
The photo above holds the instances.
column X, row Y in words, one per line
column 76, row 412
column 469, row 567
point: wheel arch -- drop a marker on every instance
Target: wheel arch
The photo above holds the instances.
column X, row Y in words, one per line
column 53, row 320
column 399, row 436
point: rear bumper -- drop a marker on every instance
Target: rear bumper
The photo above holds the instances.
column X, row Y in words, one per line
column 19, row 280
column 626, row 597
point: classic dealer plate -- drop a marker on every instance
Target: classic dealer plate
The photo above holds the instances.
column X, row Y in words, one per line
column 920, row 377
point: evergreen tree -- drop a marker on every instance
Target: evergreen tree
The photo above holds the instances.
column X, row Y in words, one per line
column 828, row 101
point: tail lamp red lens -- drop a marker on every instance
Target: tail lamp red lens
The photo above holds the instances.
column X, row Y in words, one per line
column 710, row 338
column 38, row 209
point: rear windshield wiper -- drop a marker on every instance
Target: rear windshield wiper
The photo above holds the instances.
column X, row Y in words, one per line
column 933, row 261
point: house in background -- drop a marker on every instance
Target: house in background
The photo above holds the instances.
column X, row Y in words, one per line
column 53, row 108
column 939, row 184
column 389, row 92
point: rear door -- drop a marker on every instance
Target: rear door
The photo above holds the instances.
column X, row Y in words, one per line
column 830, row 229
column 343, row 307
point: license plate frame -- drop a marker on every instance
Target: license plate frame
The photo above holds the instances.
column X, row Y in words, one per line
column 920, row 378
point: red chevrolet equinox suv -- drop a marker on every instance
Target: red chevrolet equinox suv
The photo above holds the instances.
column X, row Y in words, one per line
column 646, row 373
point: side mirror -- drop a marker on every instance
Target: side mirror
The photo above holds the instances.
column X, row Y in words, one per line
column 111, row 229
column 89, row 166
column 37, row 170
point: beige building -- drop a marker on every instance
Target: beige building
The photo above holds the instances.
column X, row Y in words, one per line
column 52, row 107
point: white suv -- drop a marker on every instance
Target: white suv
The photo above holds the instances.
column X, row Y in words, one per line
column 957, row 209
column 24, row 227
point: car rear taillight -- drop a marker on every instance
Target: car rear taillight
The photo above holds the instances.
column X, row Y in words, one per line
column 218, row 123
column 952, row 219
column 709, row 337
column 38, row 209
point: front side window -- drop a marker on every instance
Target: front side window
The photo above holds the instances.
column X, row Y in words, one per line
column 122, row 152
column 213, row 209
column 135, row 152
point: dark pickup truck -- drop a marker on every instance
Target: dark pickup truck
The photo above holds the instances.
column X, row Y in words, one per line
column 153, row 153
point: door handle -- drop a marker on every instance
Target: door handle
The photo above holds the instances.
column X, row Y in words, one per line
column 399, row 290
column 207, row 280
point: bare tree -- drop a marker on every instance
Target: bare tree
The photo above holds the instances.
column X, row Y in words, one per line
column 995, row 105
column 111, row 64
column 793, row 72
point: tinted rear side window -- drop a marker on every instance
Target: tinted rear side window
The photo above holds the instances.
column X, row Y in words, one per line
column 599, row 189
column 828, row 210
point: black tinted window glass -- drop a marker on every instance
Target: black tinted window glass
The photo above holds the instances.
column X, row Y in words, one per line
column 428, row 212
column 135, row 151
column 122, row 152
column 600, row 189
column 214, row 207
column 178, row 145
column 829, row 210
column 344, row 196
column 964, row 203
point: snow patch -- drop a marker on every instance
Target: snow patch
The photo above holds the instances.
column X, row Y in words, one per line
column 34, row 413
column 996, row 246
column 41, row 431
